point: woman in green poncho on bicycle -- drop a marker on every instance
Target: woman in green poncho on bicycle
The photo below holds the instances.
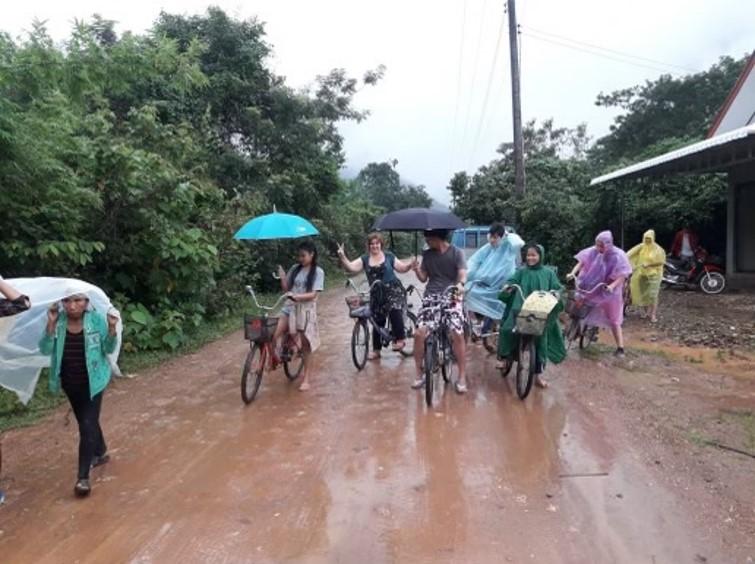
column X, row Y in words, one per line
column 532, row 277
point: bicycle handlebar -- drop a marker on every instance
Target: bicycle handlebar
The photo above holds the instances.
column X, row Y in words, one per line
column 250, row 291
column 601, row 285
column 350, row 283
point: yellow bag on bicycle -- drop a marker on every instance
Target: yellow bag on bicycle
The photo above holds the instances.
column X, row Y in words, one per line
column 533, row 316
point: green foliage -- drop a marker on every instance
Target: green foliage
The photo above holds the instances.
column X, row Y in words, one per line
column 131, row 160
column 381, row 184
column 564, row 213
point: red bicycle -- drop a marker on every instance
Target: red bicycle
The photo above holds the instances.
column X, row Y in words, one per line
column 259, row 331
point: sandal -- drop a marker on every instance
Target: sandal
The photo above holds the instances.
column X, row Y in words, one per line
column 460, row 388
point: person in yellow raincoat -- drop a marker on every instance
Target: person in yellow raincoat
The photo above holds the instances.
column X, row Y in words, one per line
column 647, row 260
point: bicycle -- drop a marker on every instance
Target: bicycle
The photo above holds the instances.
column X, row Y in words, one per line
column 259, row 330
column 578, row 310
column 439, row 355
column 476, row 321
column 361, row 311
column 529, row 329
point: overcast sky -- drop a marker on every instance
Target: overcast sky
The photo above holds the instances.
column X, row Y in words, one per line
column 428, row 111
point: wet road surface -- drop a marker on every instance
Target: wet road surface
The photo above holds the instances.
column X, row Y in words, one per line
column 356, row 470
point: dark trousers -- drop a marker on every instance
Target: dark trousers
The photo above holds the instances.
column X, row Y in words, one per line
column 397, row 327
column 87, row 412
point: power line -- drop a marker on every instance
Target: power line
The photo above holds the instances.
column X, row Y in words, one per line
column 606, row 49
column 494, row 64
column 454, row 145
column 599, row 54
column 474, row 74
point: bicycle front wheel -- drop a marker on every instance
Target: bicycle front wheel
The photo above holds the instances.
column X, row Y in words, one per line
column 431, row 358
column 360, row 344
column 251, row 375
column 446, row 359
column 589, row 336
column 525, row 369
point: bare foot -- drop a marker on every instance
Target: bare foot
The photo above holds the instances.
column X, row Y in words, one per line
column 373, row 356
column 540, row 383
column 399, row 345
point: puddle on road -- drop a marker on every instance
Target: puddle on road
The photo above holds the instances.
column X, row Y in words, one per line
column 357, row 470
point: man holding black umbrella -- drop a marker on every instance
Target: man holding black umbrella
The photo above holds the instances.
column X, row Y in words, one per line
column 442, row 265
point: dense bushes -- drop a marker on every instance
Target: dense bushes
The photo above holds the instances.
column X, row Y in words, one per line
column 130, row 161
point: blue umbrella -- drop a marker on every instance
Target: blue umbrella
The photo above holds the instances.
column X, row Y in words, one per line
column 276, row 226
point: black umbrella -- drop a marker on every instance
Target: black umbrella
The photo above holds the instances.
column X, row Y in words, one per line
column 418, row 219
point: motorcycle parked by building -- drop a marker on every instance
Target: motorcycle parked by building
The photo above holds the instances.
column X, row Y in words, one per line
column 704, row 271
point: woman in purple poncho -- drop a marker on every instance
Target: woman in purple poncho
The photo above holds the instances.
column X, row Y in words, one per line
column 607, row 266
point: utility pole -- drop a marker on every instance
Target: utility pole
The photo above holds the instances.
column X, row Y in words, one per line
column 516, row 101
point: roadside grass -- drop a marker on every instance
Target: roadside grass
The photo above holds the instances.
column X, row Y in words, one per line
column 746, row 421
column 14, row 414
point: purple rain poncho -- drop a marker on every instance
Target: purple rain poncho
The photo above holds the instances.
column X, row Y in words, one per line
column 606, row 267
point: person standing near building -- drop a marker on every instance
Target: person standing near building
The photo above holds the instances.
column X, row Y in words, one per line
column 647, row 261
column 685, row 244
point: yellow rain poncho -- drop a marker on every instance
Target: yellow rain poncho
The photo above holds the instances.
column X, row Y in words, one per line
column 647, row 260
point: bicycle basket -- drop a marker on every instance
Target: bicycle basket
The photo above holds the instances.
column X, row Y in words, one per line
column 258, row 328
column 531, row 323
column 359, row 306
column 577, row 308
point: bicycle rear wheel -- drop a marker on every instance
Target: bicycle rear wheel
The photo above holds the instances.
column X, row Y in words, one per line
column 572, row 332
column 410, row 327
column 589, row 336
column 251, row 375
column 491, row 342
column 525, row 368
column 431, row 358
column 360, row 344
column 292, row 368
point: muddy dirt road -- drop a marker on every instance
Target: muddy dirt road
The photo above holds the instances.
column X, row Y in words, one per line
column 358, row 470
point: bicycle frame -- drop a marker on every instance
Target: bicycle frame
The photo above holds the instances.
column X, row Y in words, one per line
column 383, row 331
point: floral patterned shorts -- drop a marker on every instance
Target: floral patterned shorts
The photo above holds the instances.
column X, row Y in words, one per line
column 429, row 313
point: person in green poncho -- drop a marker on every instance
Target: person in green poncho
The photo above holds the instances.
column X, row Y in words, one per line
column 532, row 277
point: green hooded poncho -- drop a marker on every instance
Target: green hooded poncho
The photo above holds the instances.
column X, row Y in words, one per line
column 550, row 346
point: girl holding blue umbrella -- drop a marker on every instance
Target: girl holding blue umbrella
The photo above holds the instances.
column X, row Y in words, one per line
column 302, row 284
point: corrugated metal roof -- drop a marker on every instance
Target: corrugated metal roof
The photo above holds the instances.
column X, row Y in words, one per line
column 689, row 154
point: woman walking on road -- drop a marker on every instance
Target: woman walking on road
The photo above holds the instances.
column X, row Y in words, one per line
column 601, row 271
column 647, row 260
column 302, row 284
column 78, row 340
column 386, row 299
column 534, row 277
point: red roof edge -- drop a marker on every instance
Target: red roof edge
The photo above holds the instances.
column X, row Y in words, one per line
column 732, row 95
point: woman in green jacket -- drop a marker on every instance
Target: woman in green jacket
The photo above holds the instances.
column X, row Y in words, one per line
column 78, row 340
column 532, row 277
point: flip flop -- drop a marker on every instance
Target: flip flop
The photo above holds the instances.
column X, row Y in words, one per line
column 461, row 388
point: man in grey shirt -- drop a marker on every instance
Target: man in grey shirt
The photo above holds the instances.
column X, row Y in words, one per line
column 443, row 265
